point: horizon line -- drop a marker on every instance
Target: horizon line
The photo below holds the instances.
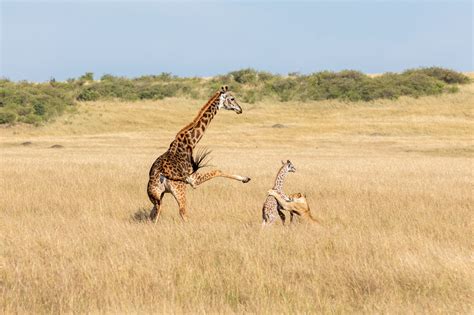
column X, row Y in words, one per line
column 175, row 76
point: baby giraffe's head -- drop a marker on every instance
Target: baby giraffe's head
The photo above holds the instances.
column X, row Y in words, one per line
column 289, row 166
column 227, row 100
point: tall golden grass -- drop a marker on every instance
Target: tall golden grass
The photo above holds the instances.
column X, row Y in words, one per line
column 391, row 182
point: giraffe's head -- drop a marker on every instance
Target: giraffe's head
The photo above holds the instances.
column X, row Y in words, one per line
column 289, row 166
column 227, row 100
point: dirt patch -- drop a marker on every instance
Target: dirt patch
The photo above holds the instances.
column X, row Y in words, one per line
column 56, row 146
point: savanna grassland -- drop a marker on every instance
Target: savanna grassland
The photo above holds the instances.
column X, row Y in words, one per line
column 390, row 180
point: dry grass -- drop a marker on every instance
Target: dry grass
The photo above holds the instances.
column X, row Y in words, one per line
column 391, row 181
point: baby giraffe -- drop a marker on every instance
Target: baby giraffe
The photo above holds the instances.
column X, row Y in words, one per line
column 298, row 205
column 271, row 206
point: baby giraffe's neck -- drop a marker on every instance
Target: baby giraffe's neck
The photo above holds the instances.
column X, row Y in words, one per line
column 280, row 178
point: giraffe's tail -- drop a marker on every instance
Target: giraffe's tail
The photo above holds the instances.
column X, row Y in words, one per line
column 200, row 159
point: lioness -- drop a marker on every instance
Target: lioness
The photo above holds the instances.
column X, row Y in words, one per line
column 298, row 205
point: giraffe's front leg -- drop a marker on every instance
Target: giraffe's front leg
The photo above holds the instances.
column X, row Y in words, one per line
column 178, row 190
column 200, row 178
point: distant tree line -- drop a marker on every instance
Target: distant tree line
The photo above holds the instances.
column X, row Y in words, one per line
column 36, row 103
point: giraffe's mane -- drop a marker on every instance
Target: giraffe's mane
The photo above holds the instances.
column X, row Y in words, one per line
column 201, row 112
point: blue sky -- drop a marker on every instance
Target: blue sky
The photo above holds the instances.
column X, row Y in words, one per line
column 40, row 40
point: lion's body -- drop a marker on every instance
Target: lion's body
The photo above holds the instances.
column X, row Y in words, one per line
column 298, row 206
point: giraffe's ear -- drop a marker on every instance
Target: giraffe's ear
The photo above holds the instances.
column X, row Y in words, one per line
column 224, row 89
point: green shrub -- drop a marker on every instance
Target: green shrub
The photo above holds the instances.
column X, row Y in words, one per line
column 30, row 119
column 88, row 94
column 452, row 89
column 152, row 92
column 88, row 76
column 283, row 88
column 244, row 76
column 107, row 77
column 419, row 84
column 445, row 75
column 250, row 96
column 263, row 76
column 39, row 109
column 38, row 103
column 7, row 117
column 43, row 101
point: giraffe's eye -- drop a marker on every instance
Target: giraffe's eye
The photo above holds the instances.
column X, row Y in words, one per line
column 232, row 99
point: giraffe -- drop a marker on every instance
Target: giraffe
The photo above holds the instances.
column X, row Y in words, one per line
column 298, row 206
column 271, row 207
column 177, row 167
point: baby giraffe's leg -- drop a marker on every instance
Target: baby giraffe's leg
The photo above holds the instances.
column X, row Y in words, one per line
column 269, row 211
column 281, row 214
column 200, row 178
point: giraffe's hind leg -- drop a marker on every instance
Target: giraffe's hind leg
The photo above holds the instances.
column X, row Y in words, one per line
column 199, row 178
column 282, row 215
column 156, row 211
column 269, row 211
column 155, row 193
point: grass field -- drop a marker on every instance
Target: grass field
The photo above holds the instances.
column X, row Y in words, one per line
column 391, row 181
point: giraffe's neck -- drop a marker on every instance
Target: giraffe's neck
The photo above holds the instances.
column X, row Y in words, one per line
column 280, row 178
column 190, row 135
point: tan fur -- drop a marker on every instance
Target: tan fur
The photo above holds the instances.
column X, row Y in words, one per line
column 298, row 206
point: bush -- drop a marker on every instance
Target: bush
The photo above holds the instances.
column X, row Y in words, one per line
column 37, row 103
column 445, row 75
column 7, row 117
column 250, row 96
column 284, row 88
column 88, row 76
column 39, row 109
column 88, row 94
column 152, row 92
column 419, row 84
column 107, row 77
column 245, row 76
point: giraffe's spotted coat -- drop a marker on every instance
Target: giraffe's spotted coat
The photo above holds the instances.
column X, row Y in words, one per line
column 173, row 169
column 271, row 209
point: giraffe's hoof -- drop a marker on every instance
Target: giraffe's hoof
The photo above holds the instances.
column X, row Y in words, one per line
column 246, row 180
